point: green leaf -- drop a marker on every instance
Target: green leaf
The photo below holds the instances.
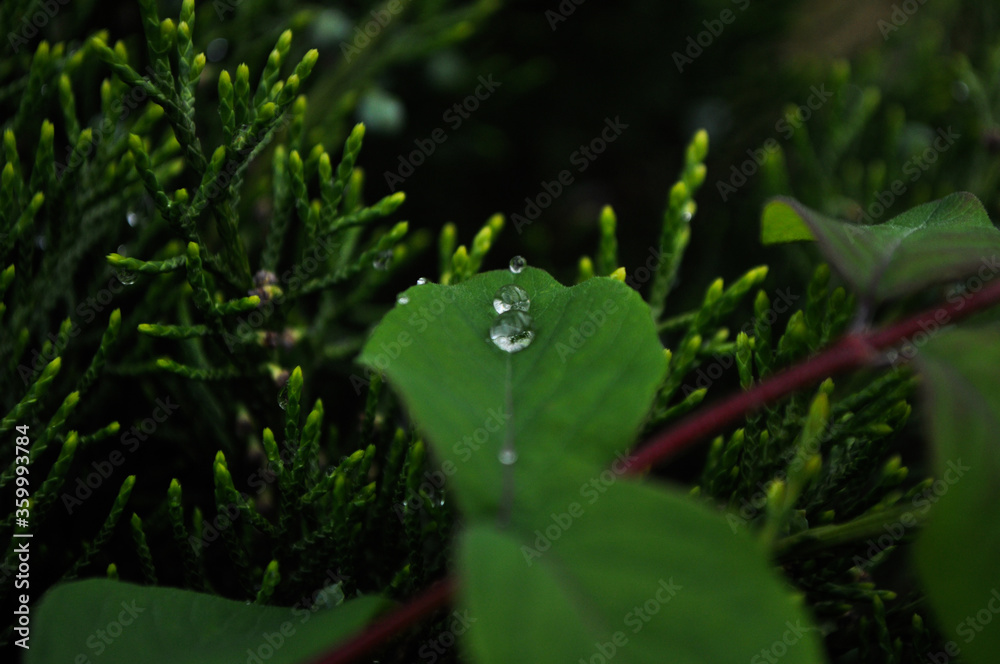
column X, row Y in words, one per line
column 932, row 243
column 958, row 551
column 119, row 622
column 627, row 572
column 580, row 389
column 781, row 223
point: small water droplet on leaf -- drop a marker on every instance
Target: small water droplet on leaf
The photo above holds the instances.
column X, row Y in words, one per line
column 507, row 456
column 511, row 297
column 517, row 264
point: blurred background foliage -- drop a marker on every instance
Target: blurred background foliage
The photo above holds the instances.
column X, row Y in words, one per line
column 895, row 86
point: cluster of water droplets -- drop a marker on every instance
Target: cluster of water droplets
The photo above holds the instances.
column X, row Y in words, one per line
column 512, row 330
column 403, row 298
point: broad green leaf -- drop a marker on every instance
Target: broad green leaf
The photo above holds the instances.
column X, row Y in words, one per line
column 781, row 223
column 932, row 243
column 627, row 573
column 958, row 552
column 579, row 390
column 112, row 622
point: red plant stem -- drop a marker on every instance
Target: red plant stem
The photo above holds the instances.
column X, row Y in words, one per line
column 852, row 351
column 433, row 598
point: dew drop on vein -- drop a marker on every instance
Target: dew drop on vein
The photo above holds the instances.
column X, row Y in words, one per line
column 511, row 297
column 511, row 332
column 507, row 456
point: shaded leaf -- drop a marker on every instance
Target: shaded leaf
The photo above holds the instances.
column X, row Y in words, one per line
column 931, row 243
column 628, row 572
column 115, row 622
column 958, row 551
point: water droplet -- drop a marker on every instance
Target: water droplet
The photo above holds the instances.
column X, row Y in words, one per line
column 216, row 49
column 512, row 331
column 507, row 456
column 41, row 242
column 381, row 111
column 382, row 260
column 127, row 277
column 132, row 218
column 264, row 278
column 421, row 281
column 511, row 297
column 283, row 397
column 517, row 264
column 402, row 299
column 686, row 216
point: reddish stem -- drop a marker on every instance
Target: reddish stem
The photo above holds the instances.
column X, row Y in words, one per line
column 432, row 599
column 851, row 352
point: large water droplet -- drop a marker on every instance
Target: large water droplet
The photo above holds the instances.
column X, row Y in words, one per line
column 517, row 264
column 512, row 331
column 382, row 260
column 507, row 456
column 127, row 277
column 511, row 297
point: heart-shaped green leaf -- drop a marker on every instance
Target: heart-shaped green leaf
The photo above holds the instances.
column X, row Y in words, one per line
column 932, row 243
column 627, row 572
column 958, row 551
column 112, row 622
column 579, row 390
